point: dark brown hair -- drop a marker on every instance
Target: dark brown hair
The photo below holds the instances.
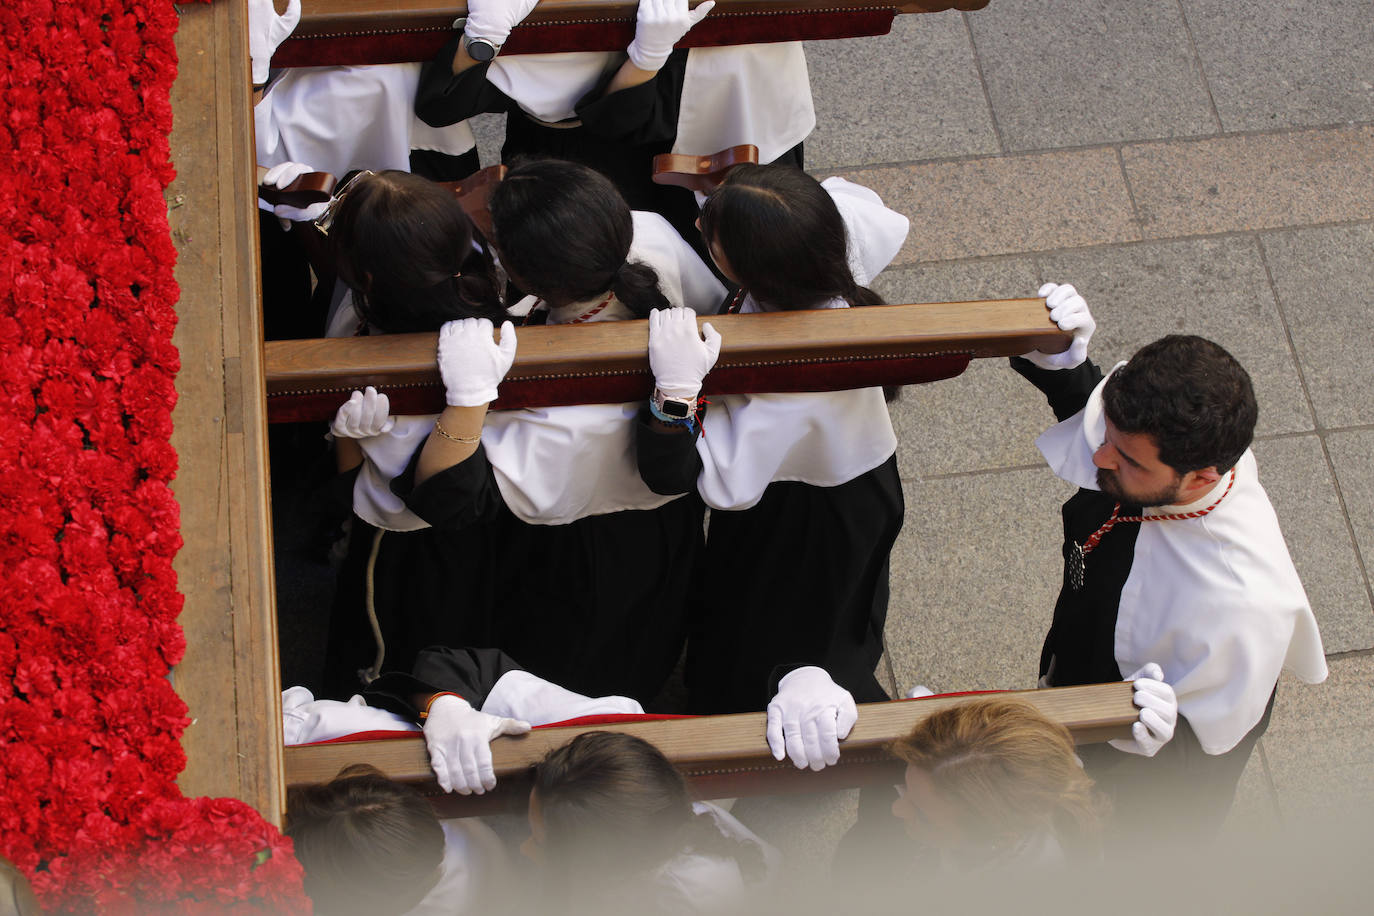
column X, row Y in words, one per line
column 1191, row 397
column 368, row 844
column 405, row 247
column 783, row 238
column 614, row 804
column 563, row 232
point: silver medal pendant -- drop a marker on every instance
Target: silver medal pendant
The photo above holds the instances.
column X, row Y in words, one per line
column 1077, row 565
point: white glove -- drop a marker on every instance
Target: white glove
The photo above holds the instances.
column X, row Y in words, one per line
column 678, row 355
column 1070, row 312
column 266, row 32
column 492, row 20
column 660, row 24
column 471, row 363
column 808, row 717
column 364, row 415
column 1158, row 713
column 920, row 690
column 459, row 742
column 281, row 175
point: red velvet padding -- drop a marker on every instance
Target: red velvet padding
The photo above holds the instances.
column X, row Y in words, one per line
column 838, row 375
column 422, row 43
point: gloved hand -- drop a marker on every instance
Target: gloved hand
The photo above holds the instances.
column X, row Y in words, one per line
column 1070, row 312
column 678, row 355
column 920, row 690
column 1158, row 713
column 281, row 175
column 808, row 717
column 266, row 32
column 459, row 742
column 471, row 363
column 492, row 20
column 364, row 415
column 660, row 24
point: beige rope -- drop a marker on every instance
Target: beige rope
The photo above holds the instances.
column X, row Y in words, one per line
column 368, row 675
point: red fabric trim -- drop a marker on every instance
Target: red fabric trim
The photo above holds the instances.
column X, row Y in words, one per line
column 637, row 386
column 392, row 734
column 419, row 43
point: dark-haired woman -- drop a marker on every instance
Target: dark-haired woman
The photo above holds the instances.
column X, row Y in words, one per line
column 616, row 111
column 805, row 497
column 612, row 826
column 582, row 570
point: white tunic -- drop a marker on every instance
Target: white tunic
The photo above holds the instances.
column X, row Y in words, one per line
column 553, row 465
column 822, row 439
column 1214, row 600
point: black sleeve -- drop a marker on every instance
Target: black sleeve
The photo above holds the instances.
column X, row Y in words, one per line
column 442, row 98
column 646, row 113
column 668, row 459
column 1066, row 389
column 456, row 497
column 470, row 673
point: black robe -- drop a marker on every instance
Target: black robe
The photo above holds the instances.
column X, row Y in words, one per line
column 801, row 578
column 597, row 605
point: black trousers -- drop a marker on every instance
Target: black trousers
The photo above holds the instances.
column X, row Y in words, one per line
column 1182, row 794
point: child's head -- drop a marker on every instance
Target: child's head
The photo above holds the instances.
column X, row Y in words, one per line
column 607, row 803
column 405, row 247
column 563, row 233
column 776, row 232
column 368, row 844
column 986, row 775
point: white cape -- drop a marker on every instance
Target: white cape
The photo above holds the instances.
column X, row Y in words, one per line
column 823, row 439
column 759, row 94
column 336, row 119
column 1214, row 600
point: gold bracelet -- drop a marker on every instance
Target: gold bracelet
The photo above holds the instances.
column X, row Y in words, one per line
column 466, row 440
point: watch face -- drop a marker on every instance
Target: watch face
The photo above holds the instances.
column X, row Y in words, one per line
column 480, row 50
column 677, row 409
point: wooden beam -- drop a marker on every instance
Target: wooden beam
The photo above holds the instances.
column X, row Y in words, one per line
column 722, row 756
column 607, row 362
column 392, row 31
column 229, row 677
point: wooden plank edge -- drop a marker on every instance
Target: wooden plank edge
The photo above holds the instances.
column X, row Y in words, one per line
column 720, row 755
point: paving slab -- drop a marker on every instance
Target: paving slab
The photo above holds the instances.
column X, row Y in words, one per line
column 912, row 94
column 1324, row 277
column 1001, row 206
column 975, row 574
column 1069, row 73
column 1256, row 808
column 1216, row 288
column 1352, row 455
column 1230, row 184
column 1295, row 475
column 1274, row 65
column 1318, row 741
column 989, row 416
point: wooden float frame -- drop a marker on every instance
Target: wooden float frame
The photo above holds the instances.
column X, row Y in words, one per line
column 721, row 756
column 230, row 674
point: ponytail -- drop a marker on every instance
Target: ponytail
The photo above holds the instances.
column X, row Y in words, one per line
column 636, row 286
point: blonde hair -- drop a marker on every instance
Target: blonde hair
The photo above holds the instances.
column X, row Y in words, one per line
column 1008, row 770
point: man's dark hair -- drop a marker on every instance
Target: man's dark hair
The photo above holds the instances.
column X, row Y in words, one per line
column 368, row 844
column 1190, row 396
